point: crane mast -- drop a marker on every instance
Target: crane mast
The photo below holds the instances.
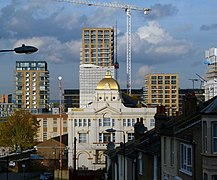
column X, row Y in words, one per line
column 127, row 9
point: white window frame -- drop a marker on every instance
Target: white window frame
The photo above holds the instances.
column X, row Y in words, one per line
column 130, row 136
column 152, row 122
column 214, row 137
column 185, row 160
column 82, row 138
column 106, row 121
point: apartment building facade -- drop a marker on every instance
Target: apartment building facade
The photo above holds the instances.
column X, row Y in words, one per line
column 96, row 57
column 162, row 89
column 32, row 85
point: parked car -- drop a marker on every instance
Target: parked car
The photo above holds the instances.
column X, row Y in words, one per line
column 46, row 176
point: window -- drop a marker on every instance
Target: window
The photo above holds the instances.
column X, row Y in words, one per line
column 133, row 122
column 44, row 123
column 160, row 82
column 106, row 121
column 173, row 82
column 124, row 122
column 82, row 138
column 165, row 150
column 64, row 123
column 54, row 123
column 205, row 176
column 100, row 122
column 84, row 122
column 106, row 137
column 214, row 137
column 130, row 136
column 89, row 122
column 171, row 152
column 44, row 135
column 75, row 122
column 113, row 122
column 214, row 177
column 152, row 122
column 128, row 122
column 140, row 163
column 186, row 158
column 205, row 136
column 80, row 122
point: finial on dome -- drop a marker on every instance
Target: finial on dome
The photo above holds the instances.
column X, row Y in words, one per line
column 108, row 74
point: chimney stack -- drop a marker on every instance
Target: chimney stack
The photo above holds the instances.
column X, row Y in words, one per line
column 139, row 128
column 189, row 104
column 160, row 117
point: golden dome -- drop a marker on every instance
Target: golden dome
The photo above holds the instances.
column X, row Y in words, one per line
column 108, row 83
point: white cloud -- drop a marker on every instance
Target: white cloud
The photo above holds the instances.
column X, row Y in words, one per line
column 54, row 50
column 153, row 33
column 142, row 71
column 154, row 45
column 138, row 80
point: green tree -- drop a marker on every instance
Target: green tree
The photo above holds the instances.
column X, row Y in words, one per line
column 19, row 130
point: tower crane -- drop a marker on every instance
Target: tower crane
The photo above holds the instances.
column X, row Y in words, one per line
column 127, row 9
column 202, row 80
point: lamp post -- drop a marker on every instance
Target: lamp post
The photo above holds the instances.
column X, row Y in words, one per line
column 22, row 50
column 113, row 131
column 60, row 107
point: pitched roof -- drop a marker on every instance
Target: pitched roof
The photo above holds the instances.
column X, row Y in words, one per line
column 211, row 108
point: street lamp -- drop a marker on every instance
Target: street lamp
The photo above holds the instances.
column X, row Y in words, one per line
column 111, row 130
column 60, row 107
column 22, row 50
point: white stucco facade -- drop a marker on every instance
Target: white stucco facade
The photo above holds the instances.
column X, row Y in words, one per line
column 89, row 125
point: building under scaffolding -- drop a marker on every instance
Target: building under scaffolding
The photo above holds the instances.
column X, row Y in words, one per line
column 211, row 74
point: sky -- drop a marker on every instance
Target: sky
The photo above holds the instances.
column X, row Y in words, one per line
column 171, row 39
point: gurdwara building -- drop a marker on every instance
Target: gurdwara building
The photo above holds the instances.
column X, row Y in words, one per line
column 87, row 126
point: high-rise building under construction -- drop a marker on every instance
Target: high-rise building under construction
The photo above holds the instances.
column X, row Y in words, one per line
column 96, row 58
column 210, row 81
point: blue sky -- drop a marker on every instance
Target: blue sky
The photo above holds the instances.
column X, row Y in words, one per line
column 172, row 39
